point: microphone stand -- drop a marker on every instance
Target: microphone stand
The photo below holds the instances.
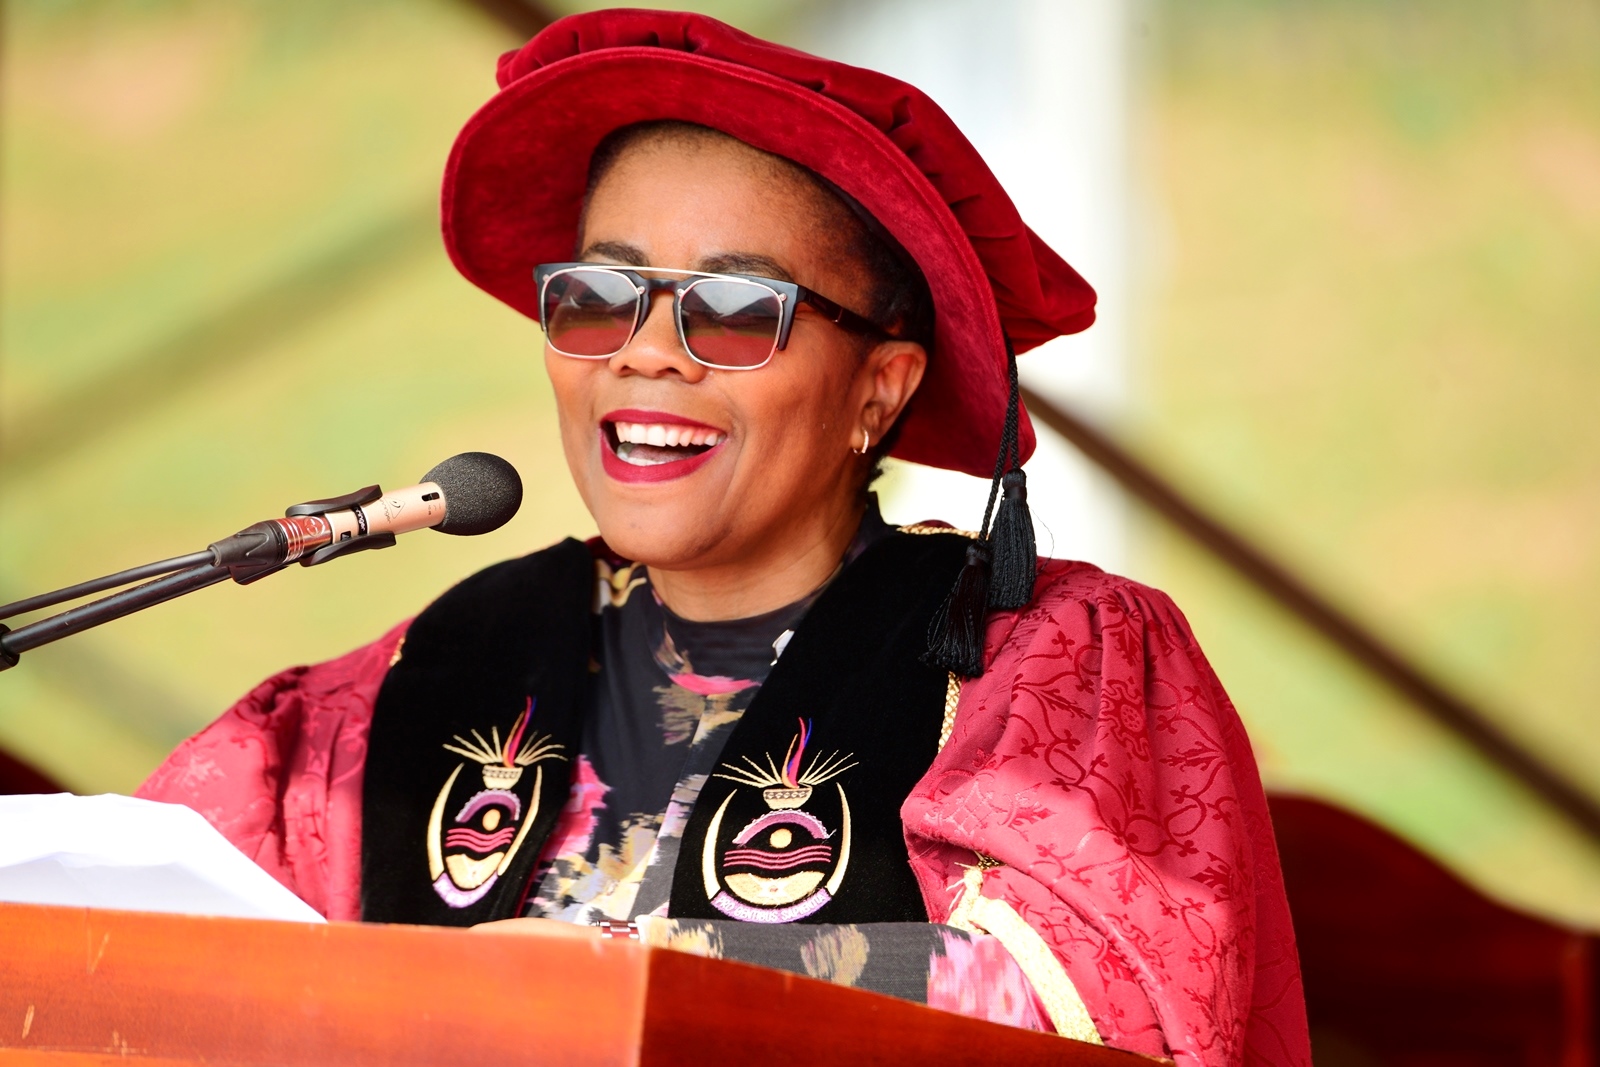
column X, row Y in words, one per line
column 15, row 642
column 173, row 578
column 110, row 581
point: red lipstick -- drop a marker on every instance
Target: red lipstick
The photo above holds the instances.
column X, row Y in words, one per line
column 665, row 418
column 623, row 471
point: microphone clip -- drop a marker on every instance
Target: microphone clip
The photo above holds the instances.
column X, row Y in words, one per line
column 244, row 572
column 348, row 502
column 345, row 548
column 359, row 498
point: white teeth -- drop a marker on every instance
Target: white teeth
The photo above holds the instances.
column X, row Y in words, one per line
column 663, row 435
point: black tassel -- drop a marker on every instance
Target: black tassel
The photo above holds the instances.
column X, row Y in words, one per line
column 955, row 636
column 1001, row 564
column 1016, row 562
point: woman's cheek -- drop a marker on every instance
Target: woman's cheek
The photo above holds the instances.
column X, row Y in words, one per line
column 572, row 417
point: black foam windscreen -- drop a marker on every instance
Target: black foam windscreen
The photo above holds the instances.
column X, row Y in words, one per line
column 481, row 492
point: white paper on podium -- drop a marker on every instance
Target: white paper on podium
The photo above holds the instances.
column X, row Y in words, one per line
column 135, row 855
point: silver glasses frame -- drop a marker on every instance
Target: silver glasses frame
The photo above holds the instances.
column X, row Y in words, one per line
column 789, row 295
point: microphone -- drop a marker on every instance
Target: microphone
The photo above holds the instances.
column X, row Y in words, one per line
column 468, row 494
column 472, row 493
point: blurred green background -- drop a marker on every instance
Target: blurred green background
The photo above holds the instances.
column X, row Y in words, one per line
column 1367, row 336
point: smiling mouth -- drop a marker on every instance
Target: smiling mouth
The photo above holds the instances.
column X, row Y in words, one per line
column 650, row 444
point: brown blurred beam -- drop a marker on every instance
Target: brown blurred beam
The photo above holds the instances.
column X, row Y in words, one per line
column 17, row 777
column 242, row 331
column 140, row 384
column 1368, row 650
column 523, row 18
column 144, row 704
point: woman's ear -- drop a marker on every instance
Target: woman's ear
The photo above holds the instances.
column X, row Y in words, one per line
column 892, row 370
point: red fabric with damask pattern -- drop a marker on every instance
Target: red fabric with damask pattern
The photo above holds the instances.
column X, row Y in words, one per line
column 279, row 774
column 1100, row 761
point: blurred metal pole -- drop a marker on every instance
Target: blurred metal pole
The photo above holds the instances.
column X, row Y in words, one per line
column 1369, row 651
column 237, row 333
column 523, row 18
column 227, row 340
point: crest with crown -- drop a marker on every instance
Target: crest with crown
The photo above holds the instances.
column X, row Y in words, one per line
column 503, row 763
column 788, row 787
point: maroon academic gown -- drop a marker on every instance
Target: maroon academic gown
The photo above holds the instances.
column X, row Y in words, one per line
column 1097, row 759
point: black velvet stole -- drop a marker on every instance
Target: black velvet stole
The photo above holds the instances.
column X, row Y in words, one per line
column 801, row 822
column 471, row 662
column 853, row 674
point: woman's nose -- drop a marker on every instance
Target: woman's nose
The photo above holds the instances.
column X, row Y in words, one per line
column 656, row 349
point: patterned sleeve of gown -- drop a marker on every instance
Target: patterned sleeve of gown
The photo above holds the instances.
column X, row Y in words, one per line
column 1099, row 761
column 279, row 774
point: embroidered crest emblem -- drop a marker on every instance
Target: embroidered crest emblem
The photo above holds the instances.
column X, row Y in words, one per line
column 785, row 863
column 466, row 860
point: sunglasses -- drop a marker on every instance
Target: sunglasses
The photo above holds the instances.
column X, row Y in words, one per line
column 725, row 321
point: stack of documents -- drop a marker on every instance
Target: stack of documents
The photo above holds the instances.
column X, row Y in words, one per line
column 133, row 855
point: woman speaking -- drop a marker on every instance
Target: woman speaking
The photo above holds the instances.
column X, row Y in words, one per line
column 751, row 719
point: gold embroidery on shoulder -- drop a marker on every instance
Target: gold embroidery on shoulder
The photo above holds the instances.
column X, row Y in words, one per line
column 952, row 699
column 399, row 647
column 935, row 528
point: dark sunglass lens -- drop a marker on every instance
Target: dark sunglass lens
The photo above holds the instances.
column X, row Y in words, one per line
column 731, row 323
column 589, row 312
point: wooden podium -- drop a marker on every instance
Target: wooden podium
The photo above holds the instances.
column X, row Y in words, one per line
column 81, row 986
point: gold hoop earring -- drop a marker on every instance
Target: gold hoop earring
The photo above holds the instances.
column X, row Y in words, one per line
column 866, row 443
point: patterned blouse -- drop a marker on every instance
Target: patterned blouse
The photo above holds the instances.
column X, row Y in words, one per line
column 669, row 693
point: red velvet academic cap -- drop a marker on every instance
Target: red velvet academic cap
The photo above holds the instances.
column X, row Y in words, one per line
column 514, row 187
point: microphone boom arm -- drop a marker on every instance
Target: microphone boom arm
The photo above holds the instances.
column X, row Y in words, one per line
column 75, row 620
column 245, row 557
